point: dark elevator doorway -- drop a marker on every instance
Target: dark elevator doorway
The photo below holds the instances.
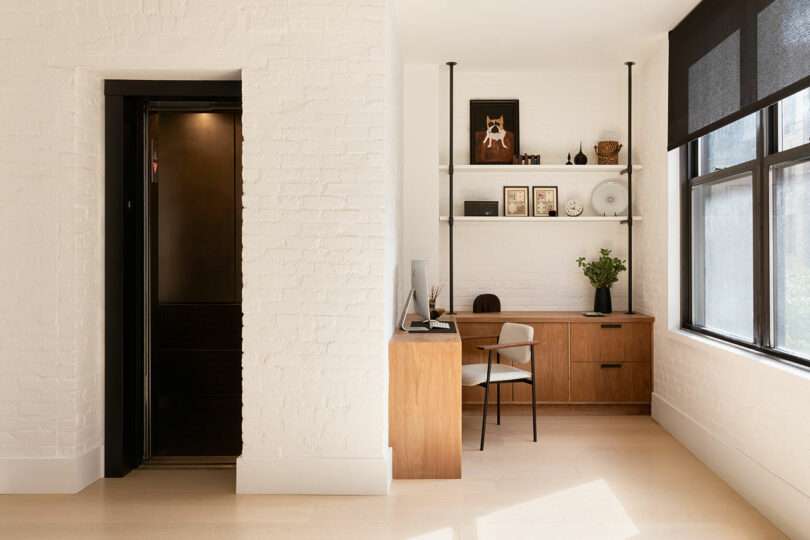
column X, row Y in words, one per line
column 193, row 284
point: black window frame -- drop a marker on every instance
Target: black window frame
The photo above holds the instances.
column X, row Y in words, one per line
column 767, row 155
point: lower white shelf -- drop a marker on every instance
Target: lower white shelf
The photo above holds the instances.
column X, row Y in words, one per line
column 566, row 219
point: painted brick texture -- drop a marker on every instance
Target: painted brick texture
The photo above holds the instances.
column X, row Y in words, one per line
column 315, row 212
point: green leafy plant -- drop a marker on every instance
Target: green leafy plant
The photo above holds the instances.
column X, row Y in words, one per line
column 604, row 271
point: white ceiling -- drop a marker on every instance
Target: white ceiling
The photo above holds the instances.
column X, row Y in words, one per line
column 535, row 34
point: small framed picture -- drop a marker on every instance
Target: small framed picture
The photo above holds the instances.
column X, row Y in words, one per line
column 516, row 201
column 545, row 201
column 494, row 131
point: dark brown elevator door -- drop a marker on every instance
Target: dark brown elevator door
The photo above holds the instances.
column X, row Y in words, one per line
column 196, row 283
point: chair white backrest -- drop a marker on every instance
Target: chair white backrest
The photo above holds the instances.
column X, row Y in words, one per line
column 516, row 333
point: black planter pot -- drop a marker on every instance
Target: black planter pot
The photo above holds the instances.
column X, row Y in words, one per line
column 601, row 301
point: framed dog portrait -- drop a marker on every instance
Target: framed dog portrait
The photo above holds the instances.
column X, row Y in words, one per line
column 516, row 201
column 545, row 201
column 494, row 131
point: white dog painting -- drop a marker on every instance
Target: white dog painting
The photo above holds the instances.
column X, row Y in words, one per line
column 495, row 132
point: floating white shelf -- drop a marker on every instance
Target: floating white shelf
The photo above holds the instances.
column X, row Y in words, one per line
column 459, row 169
column 566, row 219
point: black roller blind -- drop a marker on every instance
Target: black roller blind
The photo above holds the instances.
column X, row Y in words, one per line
column 728, row 58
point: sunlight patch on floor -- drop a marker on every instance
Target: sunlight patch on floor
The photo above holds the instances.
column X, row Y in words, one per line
column 439, row 534
column 586, row 511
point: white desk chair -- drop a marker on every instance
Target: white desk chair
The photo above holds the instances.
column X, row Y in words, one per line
column 516, row 343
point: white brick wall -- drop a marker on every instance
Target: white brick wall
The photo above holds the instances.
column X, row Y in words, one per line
column 315, row 202
column 745, row 416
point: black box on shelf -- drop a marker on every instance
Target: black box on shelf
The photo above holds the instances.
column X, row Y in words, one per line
column 481, row 208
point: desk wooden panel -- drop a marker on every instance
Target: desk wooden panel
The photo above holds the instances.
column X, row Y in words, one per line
column 424, row 405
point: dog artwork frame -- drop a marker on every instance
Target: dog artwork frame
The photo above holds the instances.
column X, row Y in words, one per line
column 494, row 131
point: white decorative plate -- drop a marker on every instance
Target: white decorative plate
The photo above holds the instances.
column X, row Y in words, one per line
column 610, row 198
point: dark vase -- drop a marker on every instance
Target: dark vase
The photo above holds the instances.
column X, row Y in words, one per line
column 601, row 301
column 580, row 158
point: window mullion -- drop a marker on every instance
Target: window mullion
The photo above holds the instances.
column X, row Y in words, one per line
column 762, row 215
column 688, row 162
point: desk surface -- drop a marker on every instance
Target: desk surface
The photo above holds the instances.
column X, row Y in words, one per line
column 548, row 317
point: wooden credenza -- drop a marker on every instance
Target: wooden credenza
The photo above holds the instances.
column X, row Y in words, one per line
column 581, row 360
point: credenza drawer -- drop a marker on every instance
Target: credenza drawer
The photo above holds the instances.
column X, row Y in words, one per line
column 610, row 382
column 611, row 342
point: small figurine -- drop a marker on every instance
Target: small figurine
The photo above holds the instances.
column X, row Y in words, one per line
column 573, row 208
column 569, row 159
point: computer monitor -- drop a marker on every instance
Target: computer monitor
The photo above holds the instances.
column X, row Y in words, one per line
column 421, row 291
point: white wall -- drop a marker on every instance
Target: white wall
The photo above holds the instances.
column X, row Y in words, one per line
column 420, row 166
column 745, row 416
column 528, row 265
column 394, row 78
column 317, row 197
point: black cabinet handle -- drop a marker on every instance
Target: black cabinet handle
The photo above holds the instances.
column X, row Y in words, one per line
column 611, row 326
column 610, row 366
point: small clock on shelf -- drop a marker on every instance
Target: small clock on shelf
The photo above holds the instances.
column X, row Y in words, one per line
column 573, row 208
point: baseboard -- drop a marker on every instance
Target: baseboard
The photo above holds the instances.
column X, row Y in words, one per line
column 776, row 498
column 314, row 476
column 51, row 475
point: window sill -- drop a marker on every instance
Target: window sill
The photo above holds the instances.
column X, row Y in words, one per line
column 713, row 344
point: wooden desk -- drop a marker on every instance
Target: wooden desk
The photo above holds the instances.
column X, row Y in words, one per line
column 604, row 361
column 424, row 405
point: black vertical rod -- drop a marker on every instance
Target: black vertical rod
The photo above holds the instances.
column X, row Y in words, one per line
column 450, row 173
column 629, row 186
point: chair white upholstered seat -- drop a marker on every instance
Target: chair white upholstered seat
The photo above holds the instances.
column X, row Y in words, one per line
column 475, row 374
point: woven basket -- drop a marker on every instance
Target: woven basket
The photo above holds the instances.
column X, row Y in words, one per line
column 607, row 152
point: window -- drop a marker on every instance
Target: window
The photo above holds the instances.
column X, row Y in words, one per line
column 791, row 257
column 722, row 268
column 746, row 228
column 794, row 120
column 729, row 145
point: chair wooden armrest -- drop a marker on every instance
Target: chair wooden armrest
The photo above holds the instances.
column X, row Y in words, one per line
column 499, row 346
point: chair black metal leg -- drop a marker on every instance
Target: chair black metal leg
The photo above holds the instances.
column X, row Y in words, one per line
column 534, row 400
column 498, row 406
column 486, row 401
column 484, row 421
column 498, row 394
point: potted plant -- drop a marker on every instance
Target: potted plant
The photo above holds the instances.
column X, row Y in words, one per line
column 602, row 273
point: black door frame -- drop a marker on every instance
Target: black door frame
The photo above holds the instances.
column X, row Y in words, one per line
column 123, row 255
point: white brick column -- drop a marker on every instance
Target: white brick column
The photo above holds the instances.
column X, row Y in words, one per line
column 315, row 375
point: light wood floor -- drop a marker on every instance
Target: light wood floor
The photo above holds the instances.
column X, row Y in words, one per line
column 600, row 477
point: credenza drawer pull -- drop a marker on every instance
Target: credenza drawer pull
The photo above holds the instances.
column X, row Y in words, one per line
column 611, row 325
column 610, row 366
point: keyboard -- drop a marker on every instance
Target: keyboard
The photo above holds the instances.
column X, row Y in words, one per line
column 424, row 326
